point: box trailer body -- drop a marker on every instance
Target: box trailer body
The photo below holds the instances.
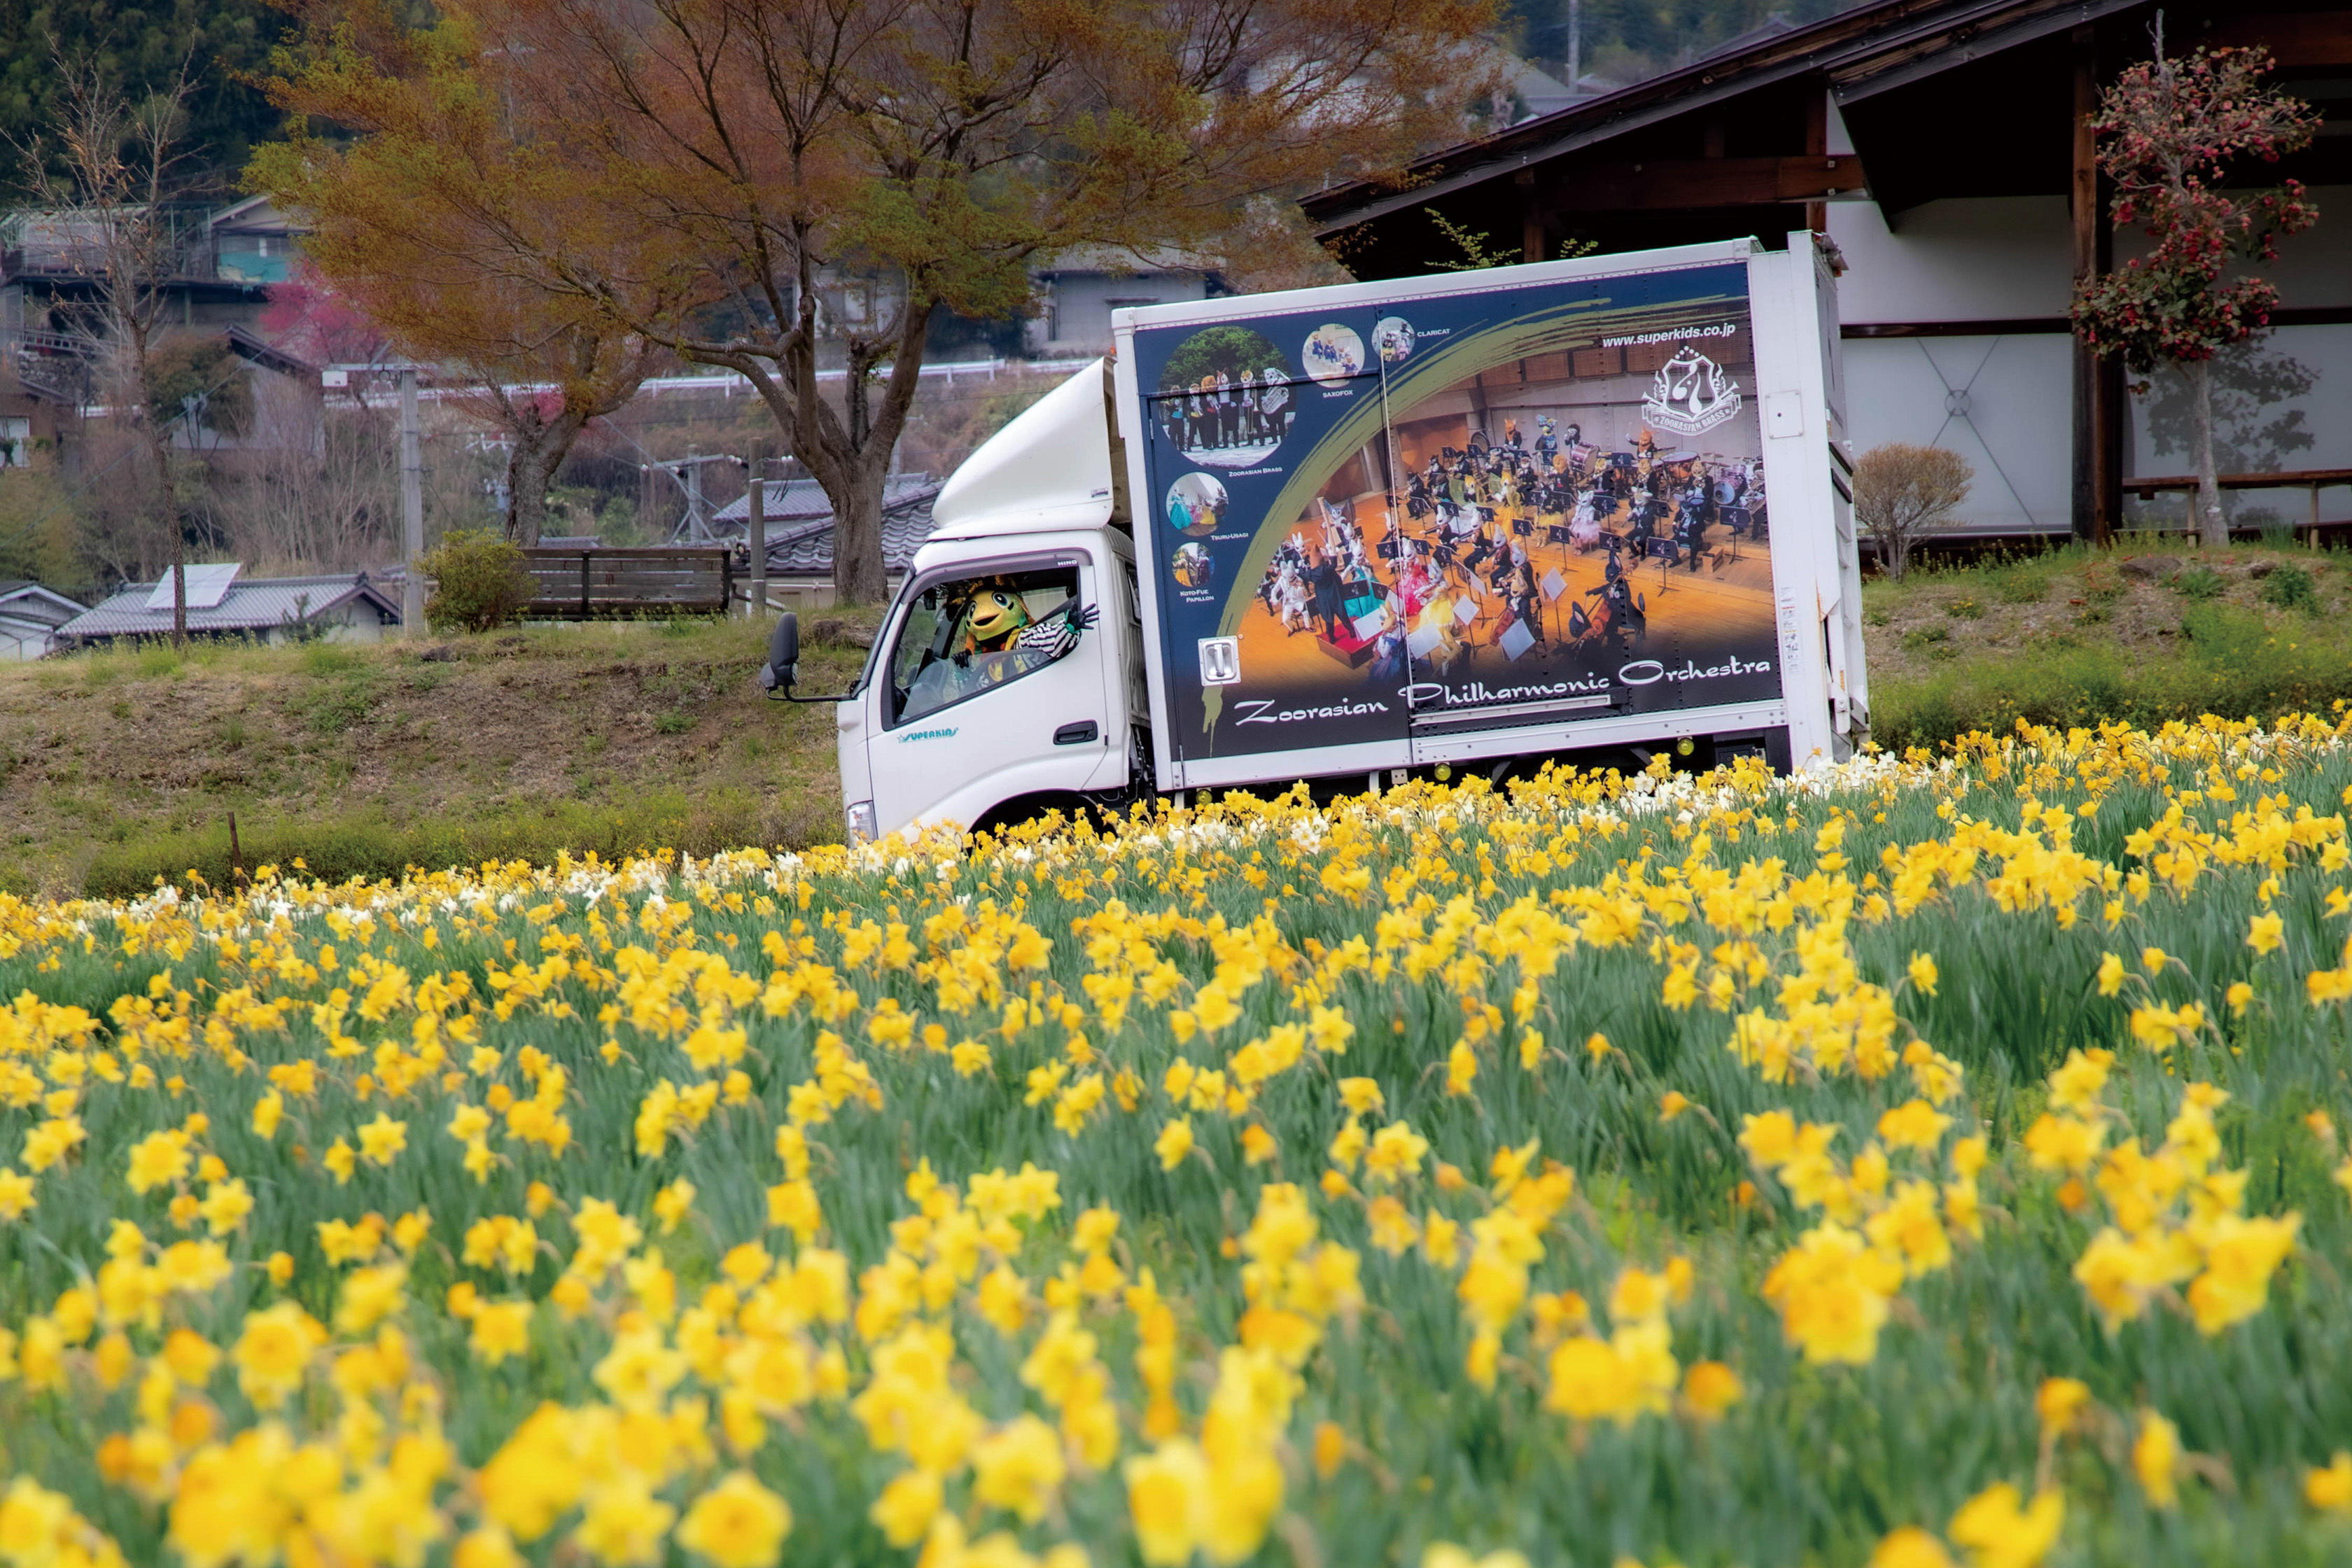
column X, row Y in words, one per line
column 1431, row 523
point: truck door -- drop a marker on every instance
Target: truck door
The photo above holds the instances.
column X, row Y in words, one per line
column 990, row 691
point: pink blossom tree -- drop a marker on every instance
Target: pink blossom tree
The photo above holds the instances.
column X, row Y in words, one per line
column 2169, row 130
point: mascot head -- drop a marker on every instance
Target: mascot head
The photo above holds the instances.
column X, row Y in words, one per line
column 998, row 614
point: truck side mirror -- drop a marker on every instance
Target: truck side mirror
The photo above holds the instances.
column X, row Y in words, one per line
column 783, row 650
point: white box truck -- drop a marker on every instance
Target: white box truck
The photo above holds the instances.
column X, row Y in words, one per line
column 1574, row 510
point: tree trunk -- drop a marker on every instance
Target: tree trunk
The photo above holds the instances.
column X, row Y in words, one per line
column 860, row 576
column 2213, row 528
column 538, row 451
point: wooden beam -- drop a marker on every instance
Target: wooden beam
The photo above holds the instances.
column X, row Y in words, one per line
column 1654, row 182
column 2302, row 39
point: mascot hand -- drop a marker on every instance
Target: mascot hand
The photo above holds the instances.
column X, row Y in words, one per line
column 1054, row 637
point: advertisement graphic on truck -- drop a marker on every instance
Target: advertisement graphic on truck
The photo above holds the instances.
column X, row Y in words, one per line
column 1575, row 510
column 1471, row 509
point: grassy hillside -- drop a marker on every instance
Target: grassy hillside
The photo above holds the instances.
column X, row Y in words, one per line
column 2144, row 634
column 116, row 765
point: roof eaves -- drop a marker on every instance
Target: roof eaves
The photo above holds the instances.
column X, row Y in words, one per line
column 1926, row 51
column 1827, row 45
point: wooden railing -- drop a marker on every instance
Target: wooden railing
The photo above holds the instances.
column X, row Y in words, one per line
column 2311, row 479
column 587, row 584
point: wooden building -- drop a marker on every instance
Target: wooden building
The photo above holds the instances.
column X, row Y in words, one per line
column 1942, row 144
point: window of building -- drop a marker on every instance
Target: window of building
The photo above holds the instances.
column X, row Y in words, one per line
column 16, row 443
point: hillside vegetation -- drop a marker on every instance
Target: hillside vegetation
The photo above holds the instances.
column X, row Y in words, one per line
column 119, row 765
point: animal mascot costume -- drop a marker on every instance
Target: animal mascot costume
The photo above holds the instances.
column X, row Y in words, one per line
column 1003, row 640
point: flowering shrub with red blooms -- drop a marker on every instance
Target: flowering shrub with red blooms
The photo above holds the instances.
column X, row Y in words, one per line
column 2167, row 127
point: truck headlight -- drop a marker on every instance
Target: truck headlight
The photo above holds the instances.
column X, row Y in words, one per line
column 860, row 818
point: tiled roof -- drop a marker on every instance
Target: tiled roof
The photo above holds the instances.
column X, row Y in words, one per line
column 256, row 605
column 799, row 524
column 803, row 501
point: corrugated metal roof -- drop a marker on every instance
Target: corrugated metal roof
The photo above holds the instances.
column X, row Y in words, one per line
column 260, row 605
column 31, row 602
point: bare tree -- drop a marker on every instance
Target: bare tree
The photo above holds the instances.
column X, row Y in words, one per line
column 596, row 374
column 316, row 488
column 104, row 178
column 1902, row 492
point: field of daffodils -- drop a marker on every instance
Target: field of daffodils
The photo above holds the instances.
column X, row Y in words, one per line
column 1921, row 1162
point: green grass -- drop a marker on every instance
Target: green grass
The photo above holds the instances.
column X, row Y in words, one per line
column 337, row 847
column 2226, row 663
column 370, row 757
column 2070, row 638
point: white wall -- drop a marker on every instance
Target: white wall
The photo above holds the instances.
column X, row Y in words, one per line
column 2269, row 396
column 1078, row 320
column 1989, row 259
column 21, row 640
column 2008, row 257
column 2015, row 425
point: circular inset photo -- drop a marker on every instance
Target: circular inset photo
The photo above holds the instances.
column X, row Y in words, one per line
column 1394, row 338
column 1333, row 353
column 1224, row 397
column 1196, row 503
column 1194, row 565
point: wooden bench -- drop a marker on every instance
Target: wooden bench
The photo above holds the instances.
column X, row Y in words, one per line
column 2311, row 479
column 587, row 584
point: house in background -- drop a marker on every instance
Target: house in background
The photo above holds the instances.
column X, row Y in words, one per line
column 30, row 615
column 1942, row 145
column 1078, row 290
column 51, row 280
column 340, row 607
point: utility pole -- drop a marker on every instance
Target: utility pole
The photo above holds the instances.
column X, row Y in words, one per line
column 192, row 409
column 1575, row 44
column 694, row 528
column 411, row 511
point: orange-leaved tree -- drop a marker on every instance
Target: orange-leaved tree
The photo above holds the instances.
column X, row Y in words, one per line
column 411, row 217
column 791, row 189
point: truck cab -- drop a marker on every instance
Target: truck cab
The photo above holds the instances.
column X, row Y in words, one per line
column 944, row 729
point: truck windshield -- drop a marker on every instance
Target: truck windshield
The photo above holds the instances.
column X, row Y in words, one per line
column 962, row 637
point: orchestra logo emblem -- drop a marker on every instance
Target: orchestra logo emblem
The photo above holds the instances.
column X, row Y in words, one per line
column 1690, row 394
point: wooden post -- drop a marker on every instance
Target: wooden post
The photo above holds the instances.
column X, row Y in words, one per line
column 2094, row 444
column 1816, row 146
column 1531, row 225
column 236, row 854
column 757, row 507
column 583, row 585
